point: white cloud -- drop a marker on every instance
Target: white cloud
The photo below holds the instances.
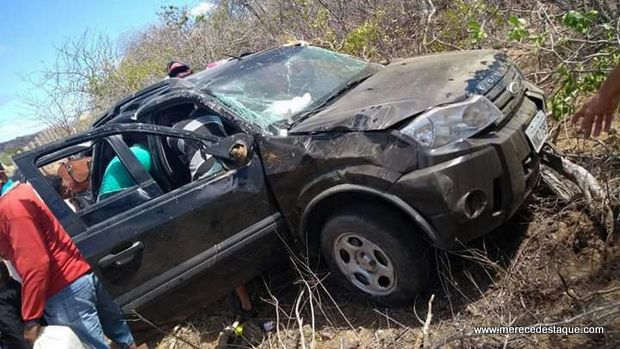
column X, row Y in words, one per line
column 18, row 127
column 201, row 8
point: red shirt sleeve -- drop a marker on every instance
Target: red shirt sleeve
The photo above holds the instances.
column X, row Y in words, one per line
column 32, row 261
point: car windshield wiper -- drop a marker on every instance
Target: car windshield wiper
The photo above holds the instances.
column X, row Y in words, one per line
column 231, row 56
column 349, row 86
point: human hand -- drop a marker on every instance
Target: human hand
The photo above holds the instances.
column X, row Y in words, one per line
column 32, row 333
column 596, row 114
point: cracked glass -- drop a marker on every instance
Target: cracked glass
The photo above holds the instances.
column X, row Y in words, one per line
column 273, row 88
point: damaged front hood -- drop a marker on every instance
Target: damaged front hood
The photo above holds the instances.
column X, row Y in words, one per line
column 408, row 87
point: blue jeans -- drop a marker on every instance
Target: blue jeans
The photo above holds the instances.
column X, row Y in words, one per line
column 90, row 312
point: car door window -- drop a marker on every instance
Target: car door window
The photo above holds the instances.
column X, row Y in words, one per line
column 125, row 182
column 70, row 178
column 116, row 177
column 180, row 160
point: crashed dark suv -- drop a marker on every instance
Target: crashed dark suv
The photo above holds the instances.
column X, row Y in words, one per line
column 365, row 166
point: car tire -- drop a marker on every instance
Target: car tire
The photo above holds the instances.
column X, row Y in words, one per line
column 377, row 253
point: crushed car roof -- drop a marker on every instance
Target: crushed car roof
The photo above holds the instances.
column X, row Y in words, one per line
column 128, row 105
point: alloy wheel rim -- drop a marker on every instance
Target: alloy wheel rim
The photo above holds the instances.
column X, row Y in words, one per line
column 365, row 264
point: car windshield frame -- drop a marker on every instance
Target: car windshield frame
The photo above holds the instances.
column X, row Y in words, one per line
column 245, row 70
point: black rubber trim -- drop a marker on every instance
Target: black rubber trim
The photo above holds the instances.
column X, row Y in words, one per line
column 391, row 198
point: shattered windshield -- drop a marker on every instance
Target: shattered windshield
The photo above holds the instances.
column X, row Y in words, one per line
column 280, row 85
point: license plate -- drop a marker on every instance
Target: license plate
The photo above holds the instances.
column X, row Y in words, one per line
column 537, row 130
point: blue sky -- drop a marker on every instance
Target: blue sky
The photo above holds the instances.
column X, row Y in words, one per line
column 30, row 29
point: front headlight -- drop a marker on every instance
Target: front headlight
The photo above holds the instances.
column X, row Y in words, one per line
column 444, row 125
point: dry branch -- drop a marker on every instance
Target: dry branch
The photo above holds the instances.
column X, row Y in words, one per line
column 587, row 183
column 574, row 174
column 427, row 324
column 160, row 330
column 563, row 189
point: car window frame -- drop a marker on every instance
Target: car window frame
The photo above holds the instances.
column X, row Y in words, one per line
column 30, row 161
column 201, row 99
column 143, row 182
column 151, row 114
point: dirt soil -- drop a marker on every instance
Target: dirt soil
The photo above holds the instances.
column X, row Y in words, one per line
column 552, row 264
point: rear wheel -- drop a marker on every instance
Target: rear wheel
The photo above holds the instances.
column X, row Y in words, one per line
column 378, row 253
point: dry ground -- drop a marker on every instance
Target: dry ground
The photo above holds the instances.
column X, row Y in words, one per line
column 553, row 263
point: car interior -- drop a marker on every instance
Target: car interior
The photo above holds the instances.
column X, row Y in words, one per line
column 169, row 170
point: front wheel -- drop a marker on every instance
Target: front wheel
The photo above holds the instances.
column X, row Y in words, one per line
column 378, row 253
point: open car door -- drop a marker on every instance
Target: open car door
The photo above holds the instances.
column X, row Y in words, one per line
column 165, row 253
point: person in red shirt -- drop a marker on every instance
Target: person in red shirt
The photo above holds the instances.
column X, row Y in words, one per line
column 57, row 282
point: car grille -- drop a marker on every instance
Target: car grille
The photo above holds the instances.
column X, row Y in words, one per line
column 505, row 100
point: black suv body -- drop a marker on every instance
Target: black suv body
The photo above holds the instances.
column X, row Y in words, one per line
column 369, row 166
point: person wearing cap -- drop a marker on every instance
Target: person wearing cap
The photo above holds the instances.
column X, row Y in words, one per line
column 178, row 69
column 203, row 165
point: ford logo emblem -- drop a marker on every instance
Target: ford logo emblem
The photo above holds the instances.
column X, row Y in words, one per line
column 514, row 87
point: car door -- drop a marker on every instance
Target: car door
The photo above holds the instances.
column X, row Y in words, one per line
column 146, row 243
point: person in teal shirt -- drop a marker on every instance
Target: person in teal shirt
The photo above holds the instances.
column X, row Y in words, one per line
column 5, row 182
column 116, row 177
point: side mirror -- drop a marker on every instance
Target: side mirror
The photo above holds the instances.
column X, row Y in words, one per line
column 236, row 148
column 239, row 152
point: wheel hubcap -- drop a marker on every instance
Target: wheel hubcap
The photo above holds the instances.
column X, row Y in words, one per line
column 366, row 265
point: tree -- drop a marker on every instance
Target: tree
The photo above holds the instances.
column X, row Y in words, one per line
column 66, row 92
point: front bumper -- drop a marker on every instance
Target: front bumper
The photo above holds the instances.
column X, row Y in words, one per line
column 501, row 168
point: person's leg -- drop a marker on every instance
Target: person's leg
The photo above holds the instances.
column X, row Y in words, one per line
column 112, row 320
column 244, row 298
column 75, row 306
column 11, row 326
column 11, row 332
column 252, row 330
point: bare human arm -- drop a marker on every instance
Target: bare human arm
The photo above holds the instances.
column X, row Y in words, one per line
column 598, row 112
